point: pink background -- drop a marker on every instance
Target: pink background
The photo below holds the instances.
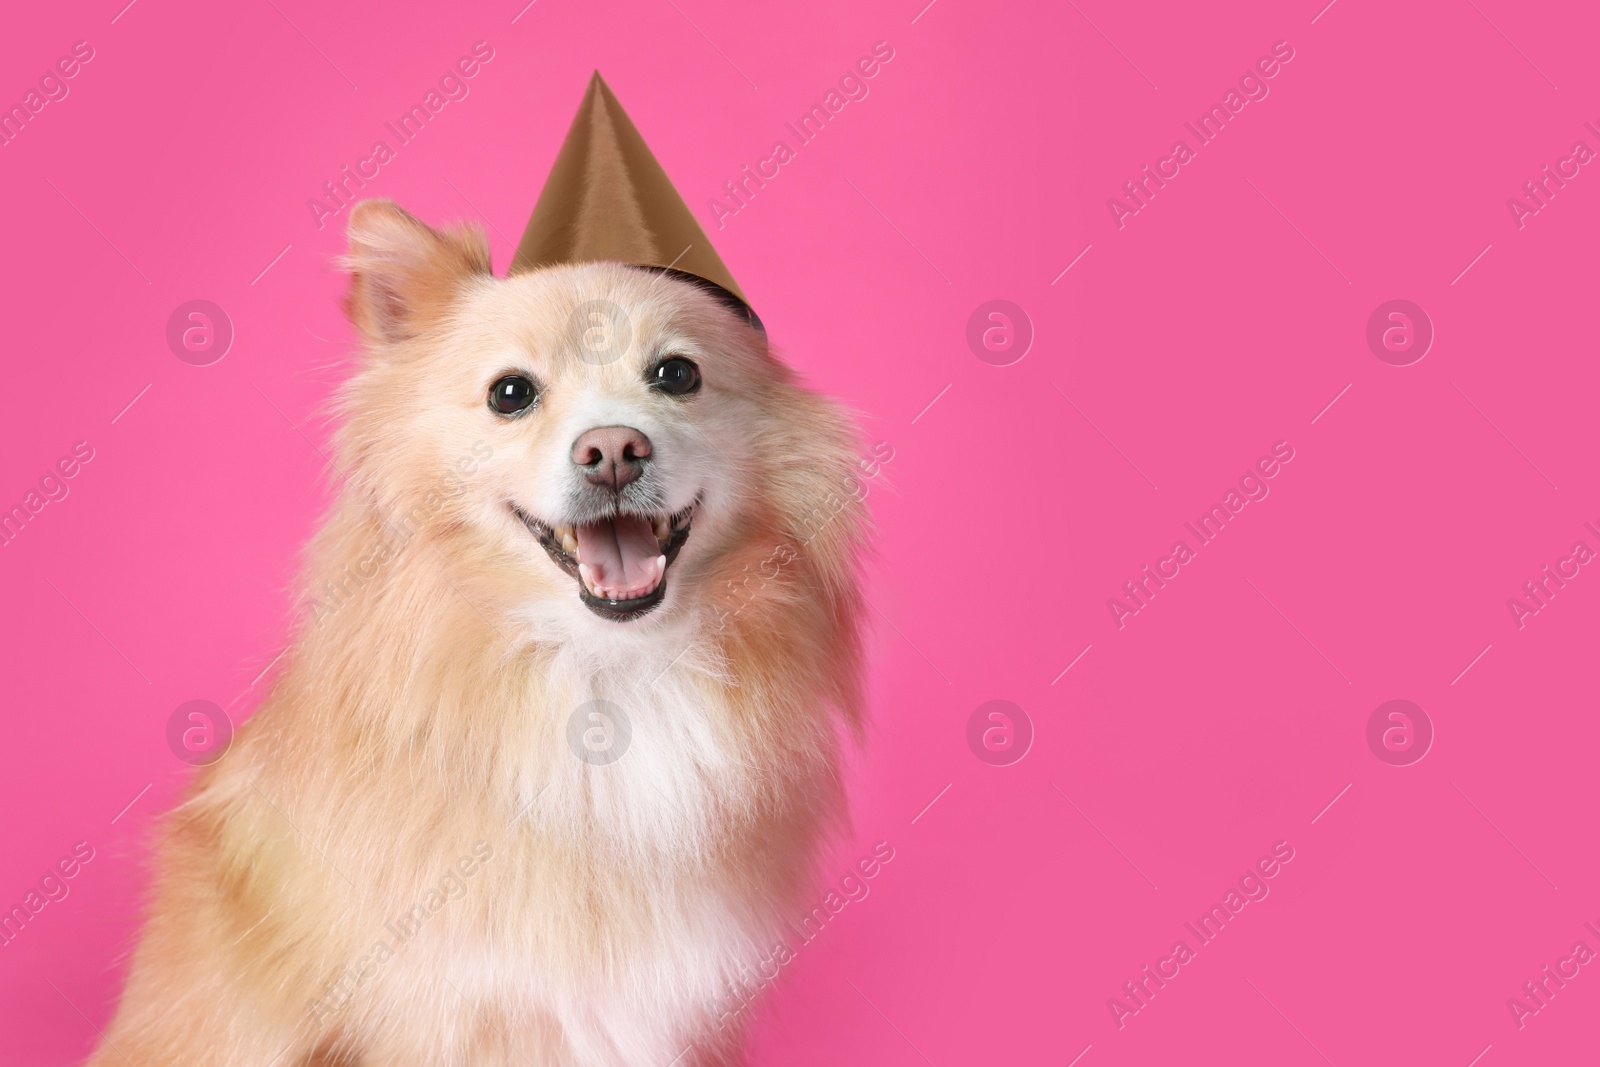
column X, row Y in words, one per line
column 1222, row 318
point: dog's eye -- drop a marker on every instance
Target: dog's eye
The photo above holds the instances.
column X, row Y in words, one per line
column 677, row 376
column 512, row 394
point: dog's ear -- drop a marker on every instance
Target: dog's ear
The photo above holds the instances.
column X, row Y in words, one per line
column 403, row 272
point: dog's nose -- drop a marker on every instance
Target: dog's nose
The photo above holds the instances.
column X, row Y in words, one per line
column 611, row 455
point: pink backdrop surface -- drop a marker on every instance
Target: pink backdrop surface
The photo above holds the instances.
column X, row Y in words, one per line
column 1172, row 347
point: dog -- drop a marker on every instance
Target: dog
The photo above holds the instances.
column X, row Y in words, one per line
column 558, row 738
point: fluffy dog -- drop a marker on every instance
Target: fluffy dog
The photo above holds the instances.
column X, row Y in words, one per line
column 531, row 787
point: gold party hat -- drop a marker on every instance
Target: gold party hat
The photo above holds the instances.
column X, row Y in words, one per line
column 607, row 199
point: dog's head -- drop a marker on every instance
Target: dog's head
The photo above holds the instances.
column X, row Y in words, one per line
column 600, row 446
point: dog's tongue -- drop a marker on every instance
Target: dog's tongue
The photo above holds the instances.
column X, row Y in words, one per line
column 622, row 551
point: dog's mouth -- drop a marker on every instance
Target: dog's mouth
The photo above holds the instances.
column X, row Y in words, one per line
column 620, row 561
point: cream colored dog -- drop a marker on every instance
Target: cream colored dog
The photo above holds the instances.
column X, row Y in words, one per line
column 555, row 744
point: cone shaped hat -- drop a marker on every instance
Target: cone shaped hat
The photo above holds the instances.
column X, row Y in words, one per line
column 607, row 199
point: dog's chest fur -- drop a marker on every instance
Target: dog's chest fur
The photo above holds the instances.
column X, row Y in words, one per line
column 638, row 758
column 630, row 810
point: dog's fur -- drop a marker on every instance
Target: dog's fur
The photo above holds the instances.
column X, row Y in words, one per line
column 420, row 720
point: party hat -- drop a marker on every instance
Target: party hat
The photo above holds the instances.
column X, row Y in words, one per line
column 607, row 199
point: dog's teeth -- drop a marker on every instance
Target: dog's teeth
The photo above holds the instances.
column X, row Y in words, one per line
column 663, row 528
column 569, row 540
column 661, row 565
